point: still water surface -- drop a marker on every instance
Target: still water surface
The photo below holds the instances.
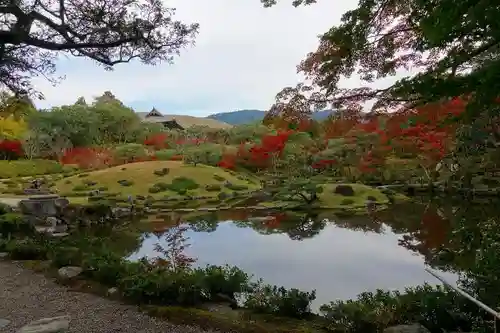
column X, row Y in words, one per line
column 339, row 257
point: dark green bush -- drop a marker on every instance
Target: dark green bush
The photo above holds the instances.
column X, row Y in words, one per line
column 125, row 182
column 26, row 250
column 236, row 187
column 345, row 190
column 224, row 280
column 4, row 208
column 162, row 172
column 222, row 196
column 280, row 301
column 66, row 256
column 154, row 189
column 83, row 175
column 130, row 152
column 89, row 182
column 67, row 181
column 219, row 178
column 159, row 187
column 103, row 188
column 14, row 223
column 182, row 184
column 213, row 188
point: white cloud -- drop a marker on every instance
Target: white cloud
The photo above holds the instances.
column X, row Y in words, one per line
column 243, row 56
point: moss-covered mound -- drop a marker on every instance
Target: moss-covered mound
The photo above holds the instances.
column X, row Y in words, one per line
column 339, row 196
column 157, row 179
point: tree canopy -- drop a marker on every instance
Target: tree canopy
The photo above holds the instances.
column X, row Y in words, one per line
column 33, row 33
column 453, row 45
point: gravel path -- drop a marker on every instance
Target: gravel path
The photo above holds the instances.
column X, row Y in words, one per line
column 26, row 296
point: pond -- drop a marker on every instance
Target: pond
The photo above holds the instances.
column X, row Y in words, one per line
column 339, row 256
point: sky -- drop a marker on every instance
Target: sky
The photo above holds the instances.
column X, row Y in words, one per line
column 244, row 55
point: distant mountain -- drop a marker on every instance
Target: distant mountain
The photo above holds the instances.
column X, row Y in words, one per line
column 250, row 116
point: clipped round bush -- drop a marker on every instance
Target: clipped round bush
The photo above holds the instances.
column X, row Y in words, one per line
column 213, row 188
column 130, row 152
column 222, row 196
column 182, row 183
column 236, row 187
column 219, row 178
column 26, row 250
column 89, row 182
column 345, row 190
column 125, row 182
column 162, row 172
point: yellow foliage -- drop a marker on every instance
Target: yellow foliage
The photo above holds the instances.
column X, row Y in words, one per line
column 10, row 128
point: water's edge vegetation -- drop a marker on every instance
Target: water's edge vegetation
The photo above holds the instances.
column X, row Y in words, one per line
column 171, row 288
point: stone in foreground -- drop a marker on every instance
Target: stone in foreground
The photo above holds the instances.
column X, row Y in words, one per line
column 414, row 328
column 47, row 325
column 69, row 272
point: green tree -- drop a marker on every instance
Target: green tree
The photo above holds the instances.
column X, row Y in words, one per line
column 107, row 31
column 117, row 122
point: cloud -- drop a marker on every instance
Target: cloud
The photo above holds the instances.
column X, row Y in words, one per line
column 243, row 56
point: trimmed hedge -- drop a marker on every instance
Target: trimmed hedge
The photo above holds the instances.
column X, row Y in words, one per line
column 25, row 168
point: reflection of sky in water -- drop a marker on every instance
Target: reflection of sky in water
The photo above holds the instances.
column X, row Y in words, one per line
column 338, row 263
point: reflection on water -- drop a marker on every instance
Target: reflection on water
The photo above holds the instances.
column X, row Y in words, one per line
column 340, row 257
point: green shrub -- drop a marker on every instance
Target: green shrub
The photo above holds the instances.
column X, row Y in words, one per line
column 103, row 188
column 280, row 301
column 125, row 182
column 4, row 208
column 236, row 187
column 219, row 178
column 13, row 223
column 222, row 196
column 67, row 181
column 25, row 168
column 213, row 188
column 89, row 182
column 66, row 256
column 162, row 172
column 159, row 187
column 225, row 280
column 165, row 154
column 26, row 250
column 79, row 188
column 182, row 184
column 130, row 152
column 83, row 175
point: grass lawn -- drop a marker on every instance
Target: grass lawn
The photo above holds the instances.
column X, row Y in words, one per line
column 143, row 178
